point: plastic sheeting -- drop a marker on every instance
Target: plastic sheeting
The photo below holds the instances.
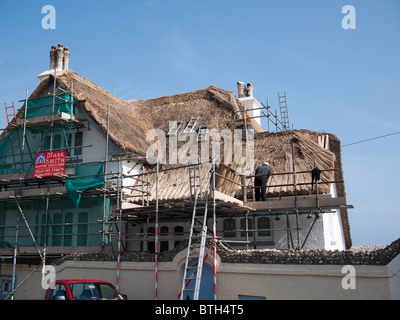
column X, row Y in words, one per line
column 44, row 106
column 87, row 177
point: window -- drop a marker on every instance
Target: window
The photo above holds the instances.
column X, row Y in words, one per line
column 178, row 231
column 93, row 291
column 164, row 244
column 56, row 228
column 42, row 231
column 46, row 144
column 57, row 142
column 68, row 230
column 164, row 231
column 69, row 145
column 243, row 227
column 229, row 228
column 141, row 236
column 78, row 143
column 2, row 223
column 151, row 231
column 264, row 223
column 57, row 291
column 82, row 229
column 6, row 286
column 246, row 297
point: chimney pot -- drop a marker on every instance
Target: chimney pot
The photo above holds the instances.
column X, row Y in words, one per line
column 241, row 91
column 66, row 59
column 53, row 57
column 59, row 57
column 249, row 90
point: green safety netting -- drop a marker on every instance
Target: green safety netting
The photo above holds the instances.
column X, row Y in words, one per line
column 10, row 153
column 86, row 177
column 61, row 224
column 44, row 106
column 10, row 145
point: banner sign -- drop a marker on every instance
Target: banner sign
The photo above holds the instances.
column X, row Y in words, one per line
column 48, row 164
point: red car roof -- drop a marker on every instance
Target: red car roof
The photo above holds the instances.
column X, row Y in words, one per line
column 80, row 280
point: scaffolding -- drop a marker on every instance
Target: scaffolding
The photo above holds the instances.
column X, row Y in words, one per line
column 109, row 190
column 52, row 118
column 274, row 123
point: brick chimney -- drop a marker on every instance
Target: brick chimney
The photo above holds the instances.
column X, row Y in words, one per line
column 59, row 61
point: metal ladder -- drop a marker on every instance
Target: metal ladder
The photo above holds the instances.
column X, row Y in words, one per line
column 174, row 127
column 198, row 230
column 11, row 116
column 202, row 133
column 195, row 181
column 191, row 124
column 284, row 111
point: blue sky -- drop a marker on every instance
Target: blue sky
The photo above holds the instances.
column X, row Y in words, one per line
column 346, row 82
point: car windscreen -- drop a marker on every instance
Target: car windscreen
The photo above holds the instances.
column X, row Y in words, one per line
column 93, row 291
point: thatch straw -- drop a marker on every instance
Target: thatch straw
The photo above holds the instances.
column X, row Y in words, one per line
column 213, row 105
column 127, row 127
column 277, row 149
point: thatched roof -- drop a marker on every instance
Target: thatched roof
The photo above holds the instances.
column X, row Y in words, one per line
column 214, row 106
column 174, row 185
column 273, row 147
column 127, row 127
column 277, row 149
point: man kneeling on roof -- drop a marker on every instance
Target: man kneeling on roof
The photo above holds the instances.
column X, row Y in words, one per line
column 260, row 181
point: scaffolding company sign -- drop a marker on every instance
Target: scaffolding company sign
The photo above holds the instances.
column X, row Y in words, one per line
column 48, row 164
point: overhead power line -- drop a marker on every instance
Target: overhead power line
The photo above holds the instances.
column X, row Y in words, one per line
column 386, row 135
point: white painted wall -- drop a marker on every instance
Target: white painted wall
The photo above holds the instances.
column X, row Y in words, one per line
column 333, row 227
column 272, row 281
column 252, row 103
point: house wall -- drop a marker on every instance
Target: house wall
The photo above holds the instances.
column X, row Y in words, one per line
column 333, row 225
column 311, row 232
column 269, row 281
column 65, row 217
column 63, row 211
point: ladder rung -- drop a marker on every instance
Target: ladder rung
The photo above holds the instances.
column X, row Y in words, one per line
column 190, row 278
column 188, row 289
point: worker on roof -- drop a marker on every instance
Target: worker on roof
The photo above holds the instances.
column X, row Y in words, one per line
column 260, row 181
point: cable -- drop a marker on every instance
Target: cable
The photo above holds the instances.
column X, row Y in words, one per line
column 386, row 135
